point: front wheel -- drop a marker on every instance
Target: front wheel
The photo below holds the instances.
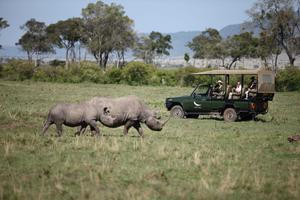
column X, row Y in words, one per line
column 177, row 112
column 230, row 115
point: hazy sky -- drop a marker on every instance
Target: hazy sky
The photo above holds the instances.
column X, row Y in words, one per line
column 149, row 15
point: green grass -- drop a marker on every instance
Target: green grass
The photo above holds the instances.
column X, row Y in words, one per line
column 189, row 159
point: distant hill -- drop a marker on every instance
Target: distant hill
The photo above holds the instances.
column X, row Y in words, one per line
column 179, row 42
column 235, row 29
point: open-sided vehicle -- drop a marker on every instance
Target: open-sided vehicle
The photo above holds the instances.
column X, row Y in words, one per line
column 204, row 101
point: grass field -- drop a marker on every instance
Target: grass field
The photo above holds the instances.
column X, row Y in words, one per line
column 190, row 159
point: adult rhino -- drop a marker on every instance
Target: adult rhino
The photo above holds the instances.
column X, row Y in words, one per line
column 128, row 111
column 82, row 114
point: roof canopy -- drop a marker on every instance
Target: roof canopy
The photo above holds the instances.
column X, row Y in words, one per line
column 225, row 72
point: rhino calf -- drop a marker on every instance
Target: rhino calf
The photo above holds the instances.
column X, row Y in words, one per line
column 83, row 115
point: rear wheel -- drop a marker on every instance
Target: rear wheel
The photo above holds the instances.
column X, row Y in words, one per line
column 230, row 115
column 177, row 112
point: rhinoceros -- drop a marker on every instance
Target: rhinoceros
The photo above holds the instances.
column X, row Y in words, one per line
column 82, row 114
column 128, row 111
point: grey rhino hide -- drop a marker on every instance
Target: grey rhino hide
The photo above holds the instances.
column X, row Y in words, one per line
column 128, row 111
column 82, row 114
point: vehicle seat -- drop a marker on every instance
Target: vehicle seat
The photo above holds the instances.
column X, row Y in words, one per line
column 229, row 89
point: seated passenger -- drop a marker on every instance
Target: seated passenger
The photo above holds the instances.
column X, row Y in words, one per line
column 218, row 88
column 236, row 90
column 251, row 87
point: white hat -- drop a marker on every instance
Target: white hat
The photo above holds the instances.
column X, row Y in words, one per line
column 219, row 81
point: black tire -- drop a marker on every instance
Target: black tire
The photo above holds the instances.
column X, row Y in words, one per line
column 177, row 112
column 230, row 115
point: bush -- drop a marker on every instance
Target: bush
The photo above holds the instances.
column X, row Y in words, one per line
column 92, row 74
column 138, row 73
column 75, row 74
column 114, row 75
column 288, row 79
column 17, row 70
column 50, row 74
column 186, row 78
column 164, row 77
column 56, row 63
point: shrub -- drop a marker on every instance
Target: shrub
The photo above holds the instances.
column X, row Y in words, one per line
column 50, row 74
column 18, row 70
column 138, row 73
column 91, row 73
column 114, row 75
column 56, row 63
column 164, row 77
column 186, row 78
column 288, row 79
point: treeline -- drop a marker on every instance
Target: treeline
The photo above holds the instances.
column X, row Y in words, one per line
column 104, row 30
column 107, row 32
column 133, row 73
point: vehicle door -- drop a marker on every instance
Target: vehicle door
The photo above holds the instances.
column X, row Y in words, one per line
column 217, row 103
column 201, row 100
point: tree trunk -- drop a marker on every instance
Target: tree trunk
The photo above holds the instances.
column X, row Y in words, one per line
column 291, row 59
column 106, row 55
column 289, row 54
column 67, row 59
column 232, row 62
column 29, row 56
column 123, row 58
column 79, row 54
column 223, row 62
column 276, row 62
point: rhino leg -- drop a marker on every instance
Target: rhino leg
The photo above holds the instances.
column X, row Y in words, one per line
column 81, row 130
column 93, row 125
column 46, row 126
column 138, row 127
column 127, row 126
column 59, row 129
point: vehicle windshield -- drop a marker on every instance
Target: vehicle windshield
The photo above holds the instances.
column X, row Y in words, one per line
column 201, row 90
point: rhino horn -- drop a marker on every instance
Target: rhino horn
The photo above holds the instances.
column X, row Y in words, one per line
column 166, row 122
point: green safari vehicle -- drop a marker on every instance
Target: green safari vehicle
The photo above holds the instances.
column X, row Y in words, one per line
column 229, row 102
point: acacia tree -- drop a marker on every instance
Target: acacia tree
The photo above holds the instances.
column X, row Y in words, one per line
column 65, row 34
column 242, row 45
column 267, row 47
column 280, row 20
column 107, row 29
column 35, row 41
column 149, row 47
column 3, row 25
column 209, row 44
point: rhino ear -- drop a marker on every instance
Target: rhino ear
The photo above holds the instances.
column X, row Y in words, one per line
column 106, row 111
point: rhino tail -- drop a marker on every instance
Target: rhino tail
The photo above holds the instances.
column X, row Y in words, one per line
column 166, row 121
column 47, row 123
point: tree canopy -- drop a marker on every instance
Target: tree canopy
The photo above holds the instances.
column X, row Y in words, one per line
column 107, row 30
column 280, row 20
column 35, row 41
column 3, row 24
column 65, row 34
column 149, row 47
